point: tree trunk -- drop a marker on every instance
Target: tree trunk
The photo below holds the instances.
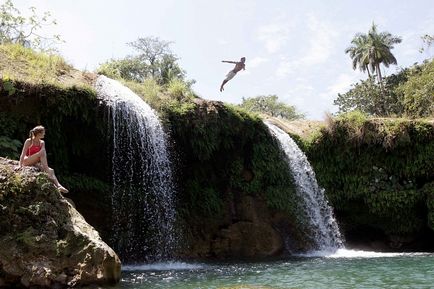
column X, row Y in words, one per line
column 367, row 69
column 383, row 93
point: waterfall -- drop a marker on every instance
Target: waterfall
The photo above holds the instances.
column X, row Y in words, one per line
column 323, row 229
column 143, row 191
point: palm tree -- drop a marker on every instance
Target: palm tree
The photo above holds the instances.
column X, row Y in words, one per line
column 380, row 46
column 359, row 52
column 370, row 50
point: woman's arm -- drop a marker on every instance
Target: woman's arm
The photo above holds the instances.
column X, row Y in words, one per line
column 23, row 152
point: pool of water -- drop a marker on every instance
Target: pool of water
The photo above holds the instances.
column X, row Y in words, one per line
column 344, row 269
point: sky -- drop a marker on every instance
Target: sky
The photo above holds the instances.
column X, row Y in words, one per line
column 293, row 49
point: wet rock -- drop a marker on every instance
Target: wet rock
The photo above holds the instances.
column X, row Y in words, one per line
column 45, row 242
column 247, row 240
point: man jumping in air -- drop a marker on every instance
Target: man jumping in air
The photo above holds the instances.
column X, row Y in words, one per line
column 238, row 66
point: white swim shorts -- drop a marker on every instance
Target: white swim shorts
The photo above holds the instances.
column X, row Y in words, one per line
column 230, row 75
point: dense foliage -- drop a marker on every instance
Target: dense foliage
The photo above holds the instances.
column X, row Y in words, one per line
column 417, row 93
column 225, row 153
column 410, row 93
column 270, row 105
column 374, row 171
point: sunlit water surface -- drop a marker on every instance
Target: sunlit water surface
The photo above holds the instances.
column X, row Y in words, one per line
column 345, row 269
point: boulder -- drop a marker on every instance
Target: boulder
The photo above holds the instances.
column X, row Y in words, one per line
column 44, row 241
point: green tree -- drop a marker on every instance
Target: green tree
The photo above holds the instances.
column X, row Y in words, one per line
column 359, row 52
column 129, row 68
column 271, row 106
column 380, row 46
column 14, row 28
column 370, row 50
column 418, row 92
column 161, row 63
column 154, row 60
column 367, row 97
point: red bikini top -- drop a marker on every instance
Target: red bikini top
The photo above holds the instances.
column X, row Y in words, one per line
column 33, row 149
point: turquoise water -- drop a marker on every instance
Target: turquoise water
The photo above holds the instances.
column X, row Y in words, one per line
column 347, row 269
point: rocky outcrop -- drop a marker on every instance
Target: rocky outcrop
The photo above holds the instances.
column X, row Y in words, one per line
column 44, row 241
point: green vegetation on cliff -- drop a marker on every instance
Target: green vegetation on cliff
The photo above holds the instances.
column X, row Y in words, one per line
column 228, row 152
column 18, row 62
column 374, row 171
column 378, row 173
column 42, row 89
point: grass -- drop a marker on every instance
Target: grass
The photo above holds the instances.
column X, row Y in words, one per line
column 18, row 63
column 176, row 96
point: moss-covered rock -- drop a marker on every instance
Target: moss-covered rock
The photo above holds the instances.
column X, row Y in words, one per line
column 77, row 140
column 232, row 175
column 374, row 172
column 45, row 242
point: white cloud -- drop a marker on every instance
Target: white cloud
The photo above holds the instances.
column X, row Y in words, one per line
column 321, row 43
column 321, row 39
column 222, row 41
column 285, row 68
column 341, row 85
column 256, row 61
column 325, row 99
column 275, row 35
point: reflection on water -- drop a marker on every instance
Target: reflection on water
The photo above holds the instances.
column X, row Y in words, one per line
column 345, row 269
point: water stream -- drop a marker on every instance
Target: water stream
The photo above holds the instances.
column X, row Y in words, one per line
column 322, row 227
column 143, row 189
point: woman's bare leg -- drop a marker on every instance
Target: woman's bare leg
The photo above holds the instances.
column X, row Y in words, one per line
column 33, row 159
column 44, row 163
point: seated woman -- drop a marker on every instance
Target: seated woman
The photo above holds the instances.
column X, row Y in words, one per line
column 34, row 154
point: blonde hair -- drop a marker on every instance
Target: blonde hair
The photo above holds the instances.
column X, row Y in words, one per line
column 36, row 130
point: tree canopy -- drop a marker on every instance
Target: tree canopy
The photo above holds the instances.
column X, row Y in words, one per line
column 17, row 29
column 370, row 50
column 154, row 59
column 410, row 93
column 366, row 96
column 418, row 92
column 271, row 106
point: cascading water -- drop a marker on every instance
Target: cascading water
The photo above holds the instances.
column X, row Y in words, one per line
column 143, row 189
column 317, row 213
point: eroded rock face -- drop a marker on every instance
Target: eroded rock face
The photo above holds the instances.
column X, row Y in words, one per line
column 247, row 240
column 44, row 241
column 249, row 231
column 253, row 232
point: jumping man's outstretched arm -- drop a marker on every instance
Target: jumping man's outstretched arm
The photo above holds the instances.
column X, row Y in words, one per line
column 234, row 62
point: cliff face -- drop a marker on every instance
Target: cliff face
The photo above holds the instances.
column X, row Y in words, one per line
column 77, row 140
column 222, row 157
column 44, row 241
column 235, row 194
column 378, row 175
